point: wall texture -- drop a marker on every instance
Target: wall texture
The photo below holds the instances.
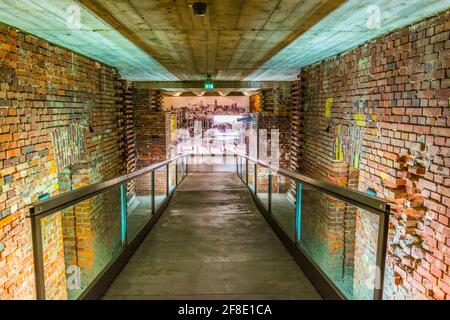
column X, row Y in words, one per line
column 59, row 129
column 153, row 140
column 377, row 118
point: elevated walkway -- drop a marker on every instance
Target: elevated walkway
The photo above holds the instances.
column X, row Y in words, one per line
column 168, row 232
column 212, row 243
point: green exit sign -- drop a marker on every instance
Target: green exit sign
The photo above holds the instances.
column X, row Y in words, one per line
column 209, row 84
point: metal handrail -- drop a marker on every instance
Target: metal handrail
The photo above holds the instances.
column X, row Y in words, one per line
column 358, row 198
column 44, row 208
column 375, row 205
column 48, row 206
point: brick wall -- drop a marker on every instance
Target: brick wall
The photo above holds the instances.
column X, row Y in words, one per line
column 153, row 140
column 275, row 113
column 384, row 110
column 58, row 110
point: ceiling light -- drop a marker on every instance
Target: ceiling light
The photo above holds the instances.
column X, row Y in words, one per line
column 199, row 9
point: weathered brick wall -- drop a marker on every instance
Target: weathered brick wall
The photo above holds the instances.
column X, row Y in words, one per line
column 389, row 121
column 274, row 112
column 277, row 100
column 295, row 126
column 57, row 110
column 148, row 99
column 153, row 140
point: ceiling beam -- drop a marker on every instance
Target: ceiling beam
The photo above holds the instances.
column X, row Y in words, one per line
column 97, row 9
column 316, row 16
column 187, row 85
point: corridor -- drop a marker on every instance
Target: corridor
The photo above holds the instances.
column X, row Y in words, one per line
column 224, row 149
column 212, row 242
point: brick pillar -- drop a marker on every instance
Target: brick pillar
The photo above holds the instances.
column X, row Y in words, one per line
column 153, row 140
column 276, row 114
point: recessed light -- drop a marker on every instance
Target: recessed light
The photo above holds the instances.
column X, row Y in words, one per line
column 199, row 9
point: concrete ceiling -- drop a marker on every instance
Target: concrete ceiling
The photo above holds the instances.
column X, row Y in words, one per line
column 253, row 40
column 49, row 19
column 230, row 42
column 345, row 28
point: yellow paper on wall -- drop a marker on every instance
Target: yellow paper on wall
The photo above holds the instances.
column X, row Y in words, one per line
column 356, row 161
column 336, row 149
column 360, row 120
column 173, row 127
column 328, row 107
column 339, row 154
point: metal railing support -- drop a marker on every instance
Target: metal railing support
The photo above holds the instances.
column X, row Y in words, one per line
column 269, row 191
column 374, row 205
column 123, row 212
column 47, row 207
column 176, row 172
column 246, row 171
column 382, row 242
column 298, row 211
column 152, row 183
column 38, row 257
column 255, row 173
column 168, row 179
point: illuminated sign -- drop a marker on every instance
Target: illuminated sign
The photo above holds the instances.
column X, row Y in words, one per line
column 209, row 84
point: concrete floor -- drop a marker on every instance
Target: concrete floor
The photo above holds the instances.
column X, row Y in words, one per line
column 212, row 243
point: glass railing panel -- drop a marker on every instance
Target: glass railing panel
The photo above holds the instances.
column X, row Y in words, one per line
column 160, row 186
column 263, row 185
column 179, row 163
column 251, row 175
column 239, row 165
column 78, row 242
column 139, row 203
column 244, row 170
column 172, row 175
column 341, row 239
column 283, row 206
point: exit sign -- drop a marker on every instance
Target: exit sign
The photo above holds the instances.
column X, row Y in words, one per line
column 209, row 84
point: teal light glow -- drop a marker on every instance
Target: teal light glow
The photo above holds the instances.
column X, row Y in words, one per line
column 298, row 211
column 345, row 28
column 52, row 20
column 123, row 212
column 209, row 86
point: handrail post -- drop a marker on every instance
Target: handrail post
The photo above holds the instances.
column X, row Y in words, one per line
column 239, row 161
column 168, row 179
column 256, row 175
column 298, row 211
column 38, row 257
column 123, row 212
column 182, row 167
column 269, row 192
column 176, row 172
column 187, row 165
column 153, row 191
column 246, row 171
column 381, row 254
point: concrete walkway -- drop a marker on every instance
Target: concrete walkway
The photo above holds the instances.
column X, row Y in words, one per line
column 212, row 243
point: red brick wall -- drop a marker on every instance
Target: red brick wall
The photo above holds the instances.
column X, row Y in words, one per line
column 57, row 110
column 275, row 113
column 153, row 140
column 389, row 120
